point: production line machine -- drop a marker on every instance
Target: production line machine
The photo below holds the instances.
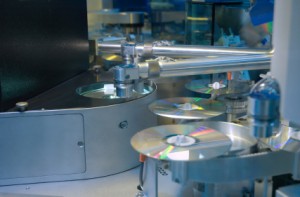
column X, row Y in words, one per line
column 95, row 123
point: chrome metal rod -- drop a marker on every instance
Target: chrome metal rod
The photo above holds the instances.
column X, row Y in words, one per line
column 106, row 47
column 186, row 50
column 211, row 65
column 191, row 50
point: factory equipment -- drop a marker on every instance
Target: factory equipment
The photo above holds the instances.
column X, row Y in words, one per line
column 77, row 131
column 263, row 109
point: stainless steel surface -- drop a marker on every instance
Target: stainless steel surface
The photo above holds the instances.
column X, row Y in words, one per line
column 191, row 50
column 104, row 132
column 293, row 146
column 36, row 146
column 288, row 191
column 187, row 108
column 243, row 167
column 241, row 138
column 181, row 142
column 23, row 195
column 106, row 47
column 235, row 103
column 188, row 50
column 286, row 58
column 124, row 90
column 122, row 184
column 165, row 187
column 208, row 65
column 278, row 141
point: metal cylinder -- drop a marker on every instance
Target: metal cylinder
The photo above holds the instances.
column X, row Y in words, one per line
column 262, row 116
column 212, row 65
column 124, row 90
column 186, row 50
column 190, row 50
column 263, row 109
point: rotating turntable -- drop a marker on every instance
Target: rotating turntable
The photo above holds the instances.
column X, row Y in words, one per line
column 181, row 142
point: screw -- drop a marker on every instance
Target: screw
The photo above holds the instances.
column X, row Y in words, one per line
column 97, row 69
column 80, row 144
column 123, row 124
column 22, row 106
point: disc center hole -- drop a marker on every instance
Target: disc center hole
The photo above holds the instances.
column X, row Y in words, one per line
column 181, row 140
column 187, row 106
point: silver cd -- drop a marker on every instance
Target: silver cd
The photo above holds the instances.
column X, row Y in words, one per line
column 241, row 138
column 181, row 142
column 204, row 86
column 187, row 108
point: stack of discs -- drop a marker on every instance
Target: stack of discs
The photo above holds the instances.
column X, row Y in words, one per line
column 187, row 108
column 181, row 142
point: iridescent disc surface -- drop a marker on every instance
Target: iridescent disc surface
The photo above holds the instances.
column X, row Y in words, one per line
column 181, row 142
column 187, row 108
column 204, row 86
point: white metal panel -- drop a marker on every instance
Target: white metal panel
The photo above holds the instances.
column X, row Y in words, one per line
column 286, row 61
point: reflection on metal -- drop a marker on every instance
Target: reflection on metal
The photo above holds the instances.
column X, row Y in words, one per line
column 107, row 90
column 282, row 138
column 242, row 141
column 186, row 50
column 211, row 65
column 292, row 190
column 65, row 136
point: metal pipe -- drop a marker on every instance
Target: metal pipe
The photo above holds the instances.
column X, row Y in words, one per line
column 210, row 65
column 190, row 50
column 186, row 50
column 106, row 47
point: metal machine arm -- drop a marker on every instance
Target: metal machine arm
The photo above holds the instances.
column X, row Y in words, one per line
column 165, row 48
column 213, row 60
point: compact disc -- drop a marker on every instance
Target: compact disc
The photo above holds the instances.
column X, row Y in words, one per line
column 107, row 90
column 181, row 142
column 187, row 108
column 204, row 86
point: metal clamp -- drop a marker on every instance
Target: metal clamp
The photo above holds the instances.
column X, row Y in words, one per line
column 153, row 69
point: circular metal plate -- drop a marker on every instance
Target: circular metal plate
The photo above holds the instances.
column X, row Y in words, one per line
column 106, row 90
column 187, row 108
column 193, row 143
